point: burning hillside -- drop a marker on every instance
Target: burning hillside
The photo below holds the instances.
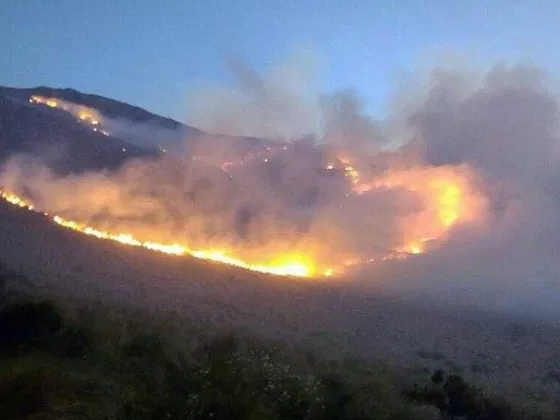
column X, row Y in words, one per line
column 284, row 209
column 83, row 114
column 287, row 266
column 446, row 199
column 445, row 177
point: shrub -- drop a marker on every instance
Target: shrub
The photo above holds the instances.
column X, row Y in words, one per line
column 455, row 398
column 143, row 345
column 28, row 325
column 38, row 386
column 73, row 342
column 147, row 376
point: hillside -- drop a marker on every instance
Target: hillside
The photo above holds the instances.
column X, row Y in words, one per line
column 72, row 359
column 126, row 131
column 59, row 139
column 512, row 356
column 516, row 358
column 108, row 107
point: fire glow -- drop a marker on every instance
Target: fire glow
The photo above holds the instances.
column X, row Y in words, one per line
column 444, row 189
column 84, row 114
column 289, row 265
column 446, row 193
column 438, row 198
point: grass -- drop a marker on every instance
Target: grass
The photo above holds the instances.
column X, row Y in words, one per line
column 66, row 360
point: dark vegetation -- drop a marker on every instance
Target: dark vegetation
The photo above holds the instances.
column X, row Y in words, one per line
column 108, row 107
column 68, row 145
column 61, row 360
column 56, row 138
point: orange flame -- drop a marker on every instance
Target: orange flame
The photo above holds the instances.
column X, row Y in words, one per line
column 447, row 196
column 16, row 201
column 446, row 192
column 82, row 113
column 288, row 265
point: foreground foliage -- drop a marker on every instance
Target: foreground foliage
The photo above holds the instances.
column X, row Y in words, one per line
column 455, row 398
column 89, row 364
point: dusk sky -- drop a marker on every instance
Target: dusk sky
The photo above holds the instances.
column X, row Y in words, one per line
column 152, row 53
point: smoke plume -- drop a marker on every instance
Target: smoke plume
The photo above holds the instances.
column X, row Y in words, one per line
column 465, row 208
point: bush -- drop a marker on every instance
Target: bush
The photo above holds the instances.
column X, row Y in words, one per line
column 143, row 345
column 21, row 393
column 28, row 325
column 146, row 375
column 38, row 386
column 73, row 342
column 455, row 398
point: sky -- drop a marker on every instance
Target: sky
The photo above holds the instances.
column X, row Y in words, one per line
column 151, row 54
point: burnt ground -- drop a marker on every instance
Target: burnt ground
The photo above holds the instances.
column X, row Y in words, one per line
column 518, row 358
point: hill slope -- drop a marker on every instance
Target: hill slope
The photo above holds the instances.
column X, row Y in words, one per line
column 515, row 357
column 333, row 319
column 108, row 107
column 58, row 138
column 125, row 131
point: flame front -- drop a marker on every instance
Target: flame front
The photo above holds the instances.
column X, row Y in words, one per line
column 446, row 193
column 447, row 196
column 83, row 114
column 289, row 265
column 16, row 201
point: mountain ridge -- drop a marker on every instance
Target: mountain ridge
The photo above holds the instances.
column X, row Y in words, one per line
column 109, row 107
column 55, row 135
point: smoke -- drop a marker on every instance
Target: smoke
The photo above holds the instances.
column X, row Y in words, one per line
column 462, row 179
column 281, row 104
column 505, row 127
column 149, row 136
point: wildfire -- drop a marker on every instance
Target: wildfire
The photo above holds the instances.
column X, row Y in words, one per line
column 445, row 192
column 349, row 171
column 82, row 113
column 16, row 201
column 288, row 265
column 445, row 196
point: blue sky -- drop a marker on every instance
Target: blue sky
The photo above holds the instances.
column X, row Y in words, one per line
column 151, row 53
